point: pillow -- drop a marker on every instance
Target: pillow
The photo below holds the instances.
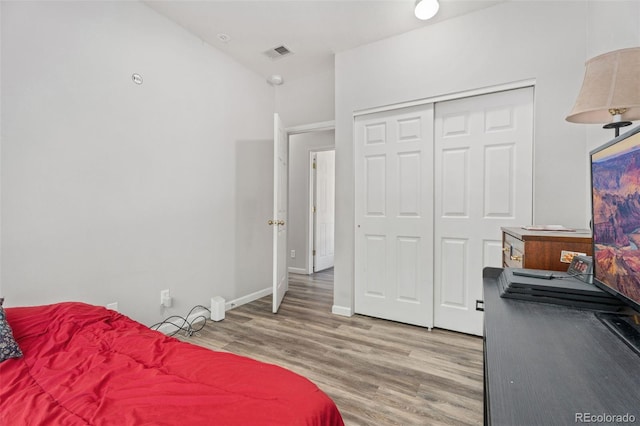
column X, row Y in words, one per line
column 8, row 346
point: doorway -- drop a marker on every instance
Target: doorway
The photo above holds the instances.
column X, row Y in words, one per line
column 302, row 189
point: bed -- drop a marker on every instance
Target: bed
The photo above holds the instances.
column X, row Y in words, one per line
column 83, row 364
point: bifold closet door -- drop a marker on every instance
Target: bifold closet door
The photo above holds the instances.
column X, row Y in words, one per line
column 394, row 215
column 483, row 181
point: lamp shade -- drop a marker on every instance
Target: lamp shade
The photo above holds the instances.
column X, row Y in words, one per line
column 611, row 86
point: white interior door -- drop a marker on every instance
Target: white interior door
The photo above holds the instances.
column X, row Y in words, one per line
column 279, row 221
column 324, row 206
column 394, row 215
column 483, row 180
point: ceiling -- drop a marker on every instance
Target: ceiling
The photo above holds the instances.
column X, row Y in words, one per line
column 314, row 30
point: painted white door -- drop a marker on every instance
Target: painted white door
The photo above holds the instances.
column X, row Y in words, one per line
column 324, row 193
column 394, row 215
column 279, row 221
column 483, row 180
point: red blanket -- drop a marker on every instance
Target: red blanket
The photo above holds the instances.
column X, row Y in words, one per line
column 84, row 364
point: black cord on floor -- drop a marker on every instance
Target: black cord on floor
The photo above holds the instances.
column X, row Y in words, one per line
column 186, row 325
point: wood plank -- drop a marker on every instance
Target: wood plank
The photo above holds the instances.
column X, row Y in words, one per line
column 378, row 372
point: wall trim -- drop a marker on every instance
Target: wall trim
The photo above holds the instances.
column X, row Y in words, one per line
column 300, row 271
column 201, row 314
column 228, row 305
column 450, row 96
column 312, row 127
column 310, row 213
column 342, row 311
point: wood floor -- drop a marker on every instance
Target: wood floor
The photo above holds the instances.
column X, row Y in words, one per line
column 378, row 372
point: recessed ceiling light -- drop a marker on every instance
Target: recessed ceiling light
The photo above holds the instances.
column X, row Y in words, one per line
column 426, row 9
column 225, row 38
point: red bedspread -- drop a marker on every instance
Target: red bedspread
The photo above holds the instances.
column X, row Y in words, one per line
column 84, row 364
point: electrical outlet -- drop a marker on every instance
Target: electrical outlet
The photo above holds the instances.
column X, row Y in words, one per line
column 165, row 298
column 293, row 254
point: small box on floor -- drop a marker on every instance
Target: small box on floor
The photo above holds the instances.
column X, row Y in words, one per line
column 217, row 308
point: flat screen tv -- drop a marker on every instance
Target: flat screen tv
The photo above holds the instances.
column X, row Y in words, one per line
column 615, row 201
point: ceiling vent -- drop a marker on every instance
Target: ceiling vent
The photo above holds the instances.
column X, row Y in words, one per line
column 277, row 52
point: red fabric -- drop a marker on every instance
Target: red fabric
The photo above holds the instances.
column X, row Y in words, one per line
column 84, row 364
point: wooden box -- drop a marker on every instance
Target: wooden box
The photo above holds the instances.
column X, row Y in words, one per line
column 522, row 248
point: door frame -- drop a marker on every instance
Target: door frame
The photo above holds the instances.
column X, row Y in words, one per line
column 311, row 219
column 309, row 128
column 447, row 97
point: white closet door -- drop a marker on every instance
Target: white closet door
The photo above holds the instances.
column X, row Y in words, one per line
column 483, row 180
column 394, row 215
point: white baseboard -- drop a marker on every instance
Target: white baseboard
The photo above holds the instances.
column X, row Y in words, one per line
column 197, row 316
column 342, row 310
column 300, row 271
column 248, row 298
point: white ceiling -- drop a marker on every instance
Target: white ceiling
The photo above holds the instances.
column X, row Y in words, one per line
column 314, row 30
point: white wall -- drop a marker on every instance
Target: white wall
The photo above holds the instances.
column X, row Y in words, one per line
column 304, row 101
column 307, row 100
column 300, row 147
column 611, row 26
column 254, row 207
column 512, row 41
column 113, row 191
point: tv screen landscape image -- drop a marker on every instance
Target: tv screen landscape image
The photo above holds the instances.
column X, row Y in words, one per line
column 615, row 184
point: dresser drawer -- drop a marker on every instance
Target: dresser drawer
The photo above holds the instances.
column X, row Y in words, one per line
column 512, row 252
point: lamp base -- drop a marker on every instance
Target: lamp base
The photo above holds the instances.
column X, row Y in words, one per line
column 616, row 125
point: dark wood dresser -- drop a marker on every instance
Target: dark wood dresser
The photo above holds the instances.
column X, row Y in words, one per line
column 542, row 249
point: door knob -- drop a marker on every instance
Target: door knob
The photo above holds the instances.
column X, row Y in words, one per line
column 281, row 222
